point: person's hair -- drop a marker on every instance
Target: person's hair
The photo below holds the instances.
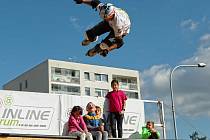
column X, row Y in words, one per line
column 75, row 109
column 153, row 124
column 98, row 107
column 114, row 81
column 88, row 105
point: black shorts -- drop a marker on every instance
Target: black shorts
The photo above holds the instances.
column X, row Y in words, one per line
column 99, row 29
column 102, row 28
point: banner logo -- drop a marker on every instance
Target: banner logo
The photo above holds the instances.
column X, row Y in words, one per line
column 24, row 117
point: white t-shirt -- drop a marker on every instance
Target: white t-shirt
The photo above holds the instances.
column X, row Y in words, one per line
column 120, row 23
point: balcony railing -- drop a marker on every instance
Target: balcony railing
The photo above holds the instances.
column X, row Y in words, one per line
column 128, row 86
column 65, row 79
column 65, row 92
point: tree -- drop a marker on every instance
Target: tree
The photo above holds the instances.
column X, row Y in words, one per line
column 195, row 136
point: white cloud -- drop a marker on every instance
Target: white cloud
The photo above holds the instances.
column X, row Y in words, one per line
column 205, row 40
column 74, row 22
column 155, row 80
column 190, row 85
column 189, row 24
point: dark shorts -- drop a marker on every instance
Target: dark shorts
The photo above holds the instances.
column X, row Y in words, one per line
column 102, row 28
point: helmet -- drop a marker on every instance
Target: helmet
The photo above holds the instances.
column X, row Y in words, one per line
column 106, row 10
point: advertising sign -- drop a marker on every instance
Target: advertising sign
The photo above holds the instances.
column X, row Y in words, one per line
column 28, row 113
column 47, row 114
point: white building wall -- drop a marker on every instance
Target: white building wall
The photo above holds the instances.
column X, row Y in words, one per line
column 39, row 77
column 37, row 80
column 92, row 69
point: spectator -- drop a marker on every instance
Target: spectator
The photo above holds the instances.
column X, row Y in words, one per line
column 102, row 120
column 77, row 126
column 94, row 125
column 117, row 103
column 149, row 132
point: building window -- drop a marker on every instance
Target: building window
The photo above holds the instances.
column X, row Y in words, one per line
column 87, row 91
column 20, row 87
column 65, row 75
column 133, row 95
column 57, row 71
column 97, row 77
column 57, row 88
column 104, row 77
column 87, row 75
column 26, row 84
column 74, row 73
column 101, row 77
column 127, row 83
column 72, row 89
column 101, row 92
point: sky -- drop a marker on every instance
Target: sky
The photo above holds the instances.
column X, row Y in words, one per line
column 164, row 34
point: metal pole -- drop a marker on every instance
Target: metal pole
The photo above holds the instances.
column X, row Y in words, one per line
column 172, row 94
column 172, row 104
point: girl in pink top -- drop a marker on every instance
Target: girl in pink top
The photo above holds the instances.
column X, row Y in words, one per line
column 117, row 102
column 77, row 126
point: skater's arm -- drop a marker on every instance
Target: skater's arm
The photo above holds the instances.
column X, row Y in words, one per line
column 92, row 3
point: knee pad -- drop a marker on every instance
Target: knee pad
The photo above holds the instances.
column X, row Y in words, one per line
column 107, row 42
column 119, row 42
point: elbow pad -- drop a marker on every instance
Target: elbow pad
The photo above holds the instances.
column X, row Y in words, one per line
column 95, row 3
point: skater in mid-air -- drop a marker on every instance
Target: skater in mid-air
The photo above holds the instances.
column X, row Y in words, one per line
column 115, row 21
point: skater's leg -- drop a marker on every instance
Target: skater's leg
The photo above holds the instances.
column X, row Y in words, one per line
column 93, row 51
column 92, row 34
column 112, row 43
column 105, row 43
column 86, row 41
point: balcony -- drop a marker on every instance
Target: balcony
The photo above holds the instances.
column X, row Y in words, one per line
column 128, row 86
column 65, row 79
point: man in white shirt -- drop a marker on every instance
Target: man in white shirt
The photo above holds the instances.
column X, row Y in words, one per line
column 115, row 21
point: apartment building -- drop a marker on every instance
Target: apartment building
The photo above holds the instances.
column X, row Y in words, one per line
column 63, row 77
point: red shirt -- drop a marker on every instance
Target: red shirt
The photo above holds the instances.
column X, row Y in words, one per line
column 116, row 100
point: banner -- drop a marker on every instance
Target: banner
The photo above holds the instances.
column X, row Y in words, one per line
column 47, row 114
column 134, row 118
column 29, row 113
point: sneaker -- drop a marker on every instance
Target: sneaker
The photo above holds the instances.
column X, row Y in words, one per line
column 86, row 41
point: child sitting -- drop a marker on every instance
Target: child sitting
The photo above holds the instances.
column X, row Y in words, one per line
column 77, row 126
column 103, row 121
column 149, row 131
column 94, row 124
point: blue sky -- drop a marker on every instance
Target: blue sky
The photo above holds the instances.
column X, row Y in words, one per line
column 164, row 33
